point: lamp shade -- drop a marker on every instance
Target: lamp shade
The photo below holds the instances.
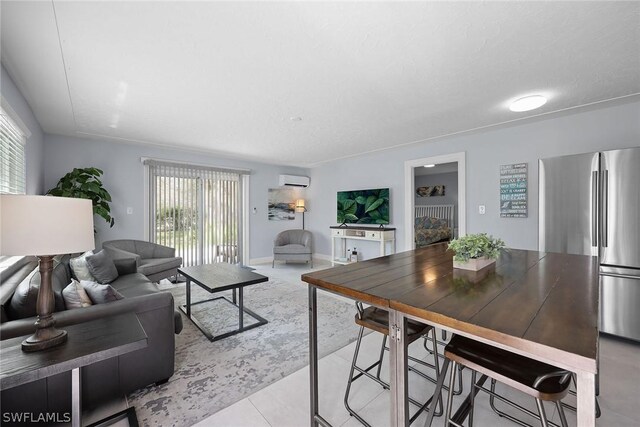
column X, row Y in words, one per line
column 300, row 205
column 45, row 225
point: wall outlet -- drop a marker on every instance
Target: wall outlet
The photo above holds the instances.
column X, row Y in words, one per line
column 482, row 209
column 129, row 211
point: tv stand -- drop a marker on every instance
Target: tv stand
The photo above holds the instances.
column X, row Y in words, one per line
column 342, row 233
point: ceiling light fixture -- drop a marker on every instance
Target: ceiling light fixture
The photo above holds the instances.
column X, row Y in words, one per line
column 528, row 103
column 429, row 166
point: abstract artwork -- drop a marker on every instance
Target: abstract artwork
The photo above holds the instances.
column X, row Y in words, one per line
column 431, row 191
column 281, row 204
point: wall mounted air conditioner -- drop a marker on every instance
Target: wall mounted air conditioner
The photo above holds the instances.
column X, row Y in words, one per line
column 294, row 181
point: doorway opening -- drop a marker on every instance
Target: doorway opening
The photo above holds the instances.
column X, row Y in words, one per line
column 434, row 199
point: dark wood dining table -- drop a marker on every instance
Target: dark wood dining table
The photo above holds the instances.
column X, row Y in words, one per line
column 539, row 305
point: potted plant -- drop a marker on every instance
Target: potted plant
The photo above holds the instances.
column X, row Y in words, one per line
column 84, row 183
column 475, row 251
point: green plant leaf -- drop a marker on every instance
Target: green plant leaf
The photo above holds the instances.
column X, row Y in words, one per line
column 361, row 200
column 374, row 205
column 83, row 183
column 350, row 206
column 350, row 217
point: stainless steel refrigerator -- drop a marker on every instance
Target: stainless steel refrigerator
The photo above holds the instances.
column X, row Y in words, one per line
column 590, row 204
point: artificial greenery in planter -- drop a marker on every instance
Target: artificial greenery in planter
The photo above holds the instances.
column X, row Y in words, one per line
column 84, row 183
column 475, row 251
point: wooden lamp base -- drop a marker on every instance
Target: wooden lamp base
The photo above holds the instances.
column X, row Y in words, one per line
column 46, row 335
column 43, row 339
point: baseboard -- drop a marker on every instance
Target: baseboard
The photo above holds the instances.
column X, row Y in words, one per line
column 322, row 257
column 268, row 259
column 263, row 260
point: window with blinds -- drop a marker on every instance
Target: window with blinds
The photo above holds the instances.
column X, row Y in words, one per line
column 196, row 210
column 12, row 157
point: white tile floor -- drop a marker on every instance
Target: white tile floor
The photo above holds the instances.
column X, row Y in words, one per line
column 286, row 402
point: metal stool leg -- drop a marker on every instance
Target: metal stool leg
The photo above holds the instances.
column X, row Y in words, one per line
column 563, row 417
column 381, row 358
column 473, row 396
column 351, row 379
column 436, row 363
column 543, row 415
column 452, row 379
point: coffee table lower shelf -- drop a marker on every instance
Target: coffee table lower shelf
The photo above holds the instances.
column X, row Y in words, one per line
column 186, row 309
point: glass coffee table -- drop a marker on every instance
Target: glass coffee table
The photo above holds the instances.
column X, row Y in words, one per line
column 220, row 277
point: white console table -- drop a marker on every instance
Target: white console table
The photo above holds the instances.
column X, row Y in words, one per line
column 341, row 234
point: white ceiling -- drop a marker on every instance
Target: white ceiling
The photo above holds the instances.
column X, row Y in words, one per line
column 227, row 77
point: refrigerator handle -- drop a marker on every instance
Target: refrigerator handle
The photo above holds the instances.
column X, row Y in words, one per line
column 594, row 208
column 605, row 208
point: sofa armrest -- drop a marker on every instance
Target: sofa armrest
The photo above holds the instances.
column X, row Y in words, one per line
column 160, row 251
column 117, row 254
column 306, row 239
column 139, row 304
column 126, row 266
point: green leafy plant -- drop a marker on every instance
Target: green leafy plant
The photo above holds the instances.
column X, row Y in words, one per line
column 364, row 207
column 476, row 246
column 85, row 183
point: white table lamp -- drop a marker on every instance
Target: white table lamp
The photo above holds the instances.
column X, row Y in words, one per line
column 45, row 226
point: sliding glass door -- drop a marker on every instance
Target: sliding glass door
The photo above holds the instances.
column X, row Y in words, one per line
column 197, row 210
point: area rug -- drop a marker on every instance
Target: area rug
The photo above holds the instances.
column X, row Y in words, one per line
column 210, row 376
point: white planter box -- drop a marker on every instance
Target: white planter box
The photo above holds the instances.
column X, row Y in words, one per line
column 474, row 264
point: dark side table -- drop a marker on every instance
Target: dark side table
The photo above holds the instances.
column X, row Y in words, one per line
column 87, row 343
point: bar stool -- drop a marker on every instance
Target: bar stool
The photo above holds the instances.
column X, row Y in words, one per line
column 377, row 320
column 537, row 379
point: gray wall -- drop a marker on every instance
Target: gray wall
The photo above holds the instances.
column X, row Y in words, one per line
column 611, row 127
column 124, row 178
column 34, row 149
column 450, row 182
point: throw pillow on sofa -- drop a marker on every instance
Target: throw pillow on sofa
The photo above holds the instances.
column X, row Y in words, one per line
column 23, row 301
column 80, row 268
column 100, row 294
column 75, row 296
column 102, row 267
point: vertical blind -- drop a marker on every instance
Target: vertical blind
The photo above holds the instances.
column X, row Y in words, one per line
column 197, row 210
column 12, row 157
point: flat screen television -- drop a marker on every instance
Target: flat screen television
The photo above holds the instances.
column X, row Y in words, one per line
column 364, row 206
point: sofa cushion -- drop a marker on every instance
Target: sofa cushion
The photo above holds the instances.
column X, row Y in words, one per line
column 101, row 294
column 133, row 285
column 13, row 271
column 156, row 265
column 291, row 249
column 23, row 301
column 80, row 268
column 102, row 267
column 75, row 296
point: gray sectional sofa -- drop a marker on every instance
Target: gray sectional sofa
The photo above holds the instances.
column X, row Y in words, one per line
column 103, row 380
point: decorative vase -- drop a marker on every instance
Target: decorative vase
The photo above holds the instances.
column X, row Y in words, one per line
column 474, row 264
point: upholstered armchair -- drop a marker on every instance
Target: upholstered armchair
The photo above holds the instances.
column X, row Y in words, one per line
column 155, row 261
column 293, row 245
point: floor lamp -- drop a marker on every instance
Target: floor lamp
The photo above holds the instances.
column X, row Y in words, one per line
column 300, row 208
column 45, row 226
